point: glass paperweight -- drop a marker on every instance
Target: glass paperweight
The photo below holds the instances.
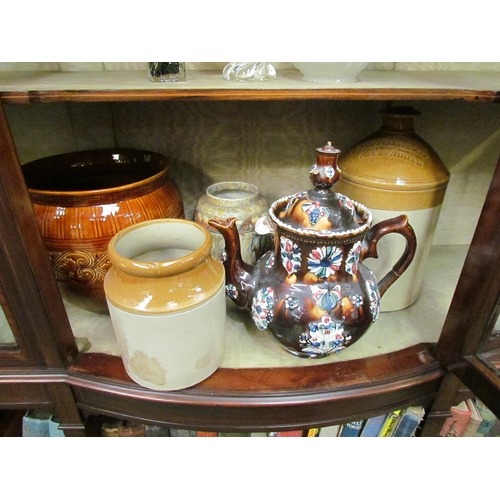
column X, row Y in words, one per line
column 167, row 71
column 249, row 72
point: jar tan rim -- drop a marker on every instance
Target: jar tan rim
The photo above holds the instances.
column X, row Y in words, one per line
column 163, row 267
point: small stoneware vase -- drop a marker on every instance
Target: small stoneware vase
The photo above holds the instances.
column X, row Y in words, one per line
column 167, row 303
column 242, row 201
column 395, row 171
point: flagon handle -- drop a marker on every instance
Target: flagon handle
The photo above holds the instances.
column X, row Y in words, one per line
column 398, row 225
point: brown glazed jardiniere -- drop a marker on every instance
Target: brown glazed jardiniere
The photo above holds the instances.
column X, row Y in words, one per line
column 313, row 292
column 83, row 199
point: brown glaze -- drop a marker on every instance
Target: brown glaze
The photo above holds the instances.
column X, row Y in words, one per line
column 83, row 199
column 314, row 292
column 399, row 225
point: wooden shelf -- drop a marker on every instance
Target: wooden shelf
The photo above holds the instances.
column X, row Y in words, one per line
column 28, row 87
column 248, row 347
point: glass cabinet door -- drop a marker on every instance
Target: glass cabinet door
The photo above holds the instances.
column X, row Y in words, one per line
column 34, row 330
column 469, row 345
column 7, row 339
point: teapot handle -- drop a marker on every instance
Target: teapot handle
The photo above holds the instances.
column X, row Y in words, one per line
column 398, row 225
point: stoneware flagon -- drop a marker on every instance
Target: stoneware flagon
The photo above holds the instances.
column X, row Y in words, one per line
column 83, row 199
column 391, row 171
column 313, row 292
column 167, row 303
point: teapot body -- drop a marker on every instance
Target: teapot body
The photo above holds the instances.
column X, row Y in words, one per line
column 315, row 298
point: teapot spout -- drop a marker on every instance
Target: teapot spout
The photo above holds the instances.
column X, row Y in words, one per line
column 240, row 282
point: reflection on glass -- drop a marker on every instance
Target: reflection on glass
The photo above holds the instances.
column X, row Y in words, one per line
column 490, row 346
column 6, row 335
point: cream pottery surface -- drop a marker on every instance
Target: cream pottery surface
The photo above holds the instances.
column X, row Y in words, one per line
column 167, row 303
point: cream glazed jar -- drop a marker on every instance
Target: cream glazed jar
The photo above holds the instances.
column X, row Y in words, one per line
column 166, row 299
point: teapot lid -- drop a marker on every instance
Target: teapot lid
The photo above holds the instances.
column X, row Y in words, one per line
column 321, row 211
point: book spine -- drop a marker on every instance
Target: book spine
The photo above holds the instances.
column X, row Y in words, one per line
column 474, row 421
column 488, row 419
column 372, row 426
column 54, row 430
column 390, row 424
column 409, row 422
column 36, row 424
column 329, row 431
column 182, row 433
column 286, row 434
column 455, row 425
column 351, row 429
column 156, row 431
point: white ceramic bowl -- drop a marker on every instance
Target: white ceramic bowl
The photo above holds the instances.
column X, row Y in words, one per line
column 330, row 72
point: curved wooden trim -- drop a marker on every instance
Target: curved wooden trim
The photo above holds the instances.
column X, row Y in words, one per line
column 251, row 386
column 264, row 398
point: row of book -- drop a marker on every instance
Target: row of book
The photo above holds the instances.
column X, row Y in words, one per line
column 471, row 418
column 398, row 423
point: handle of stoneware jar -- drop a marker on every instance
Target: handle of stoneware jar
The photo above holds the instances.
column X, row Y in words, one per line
column 399, row 225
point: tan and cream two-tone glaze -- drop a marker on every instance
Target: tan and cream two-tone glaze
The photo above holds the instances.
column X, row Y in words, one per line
column 166, row 299
column 394, row 171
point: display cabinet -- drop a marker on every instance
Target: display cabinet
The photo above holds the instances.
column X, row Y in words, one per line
column 44, row 364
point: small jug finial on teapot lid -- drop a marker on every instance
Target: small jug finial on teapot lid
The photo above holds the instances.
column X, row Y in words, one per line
column 322, row 209
column 325, row 173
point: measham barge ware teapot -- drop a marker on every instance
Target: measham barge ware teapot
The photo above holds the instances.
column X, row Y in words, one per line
column 313, row 291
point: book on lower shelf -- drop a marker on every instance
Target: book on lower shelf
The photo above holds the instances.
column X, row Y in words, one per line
column 117, row 427
column 54, row 430
column 455, row 425
column 234, row 434
column 488, row 419
column 474, row 421
column 295, row 433
column 152, row 430
column 36, row 424
column 373, row 426
column 351, row 429
column 182, row 433
column 390, row 423
column 409, row 421
column 329, row 431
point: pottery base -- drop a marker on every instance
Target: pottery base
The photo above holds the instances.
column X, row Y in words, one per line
column 173, row 351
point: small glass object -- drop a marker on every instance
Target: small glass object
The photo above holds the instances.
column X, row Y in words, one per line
column 167, row 71
column 249, row 72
